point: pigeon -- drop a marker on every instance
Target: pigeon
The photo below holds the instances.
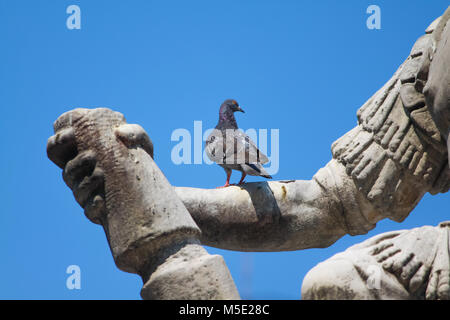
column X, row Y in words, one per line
column 232, row 149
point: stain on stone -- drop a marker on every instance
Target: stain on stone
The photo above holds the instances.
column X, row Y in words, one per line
column 284, row 192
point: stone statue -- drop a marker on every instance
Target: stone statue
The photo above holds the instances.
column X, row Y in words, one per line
column 380, row 169
column 405, row 264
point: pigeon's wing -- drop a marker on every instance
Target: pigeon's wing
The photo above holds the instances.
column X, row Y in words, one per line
column 239, row 149
column 214, row 146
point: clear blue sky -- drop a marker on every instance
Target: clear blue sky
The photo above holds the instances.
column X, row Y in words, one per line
column 304, row 67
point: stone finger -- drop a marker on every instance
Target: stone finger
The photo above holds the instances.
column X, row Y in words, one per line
column 133, row 135
column 61, row 147
column 78, row 168
column 386, row 254
column 432, row 286
column 89, row 187
column 443, row 289
column 95, row 209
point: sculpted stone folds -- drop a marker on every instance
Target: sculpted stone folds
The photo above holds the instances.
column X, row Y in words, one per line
column 404, row 264
column 401, row 154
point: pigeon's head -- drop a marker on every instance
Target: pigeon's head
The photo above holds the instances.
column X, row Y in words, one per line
column 230, row 106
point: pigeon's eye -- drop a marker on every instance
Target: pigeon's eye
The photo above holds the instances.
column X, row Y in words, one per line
column 235, row 103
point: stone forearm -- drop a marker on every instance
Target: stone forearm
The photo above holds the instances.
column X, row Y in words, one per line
column 272, row 216
column 380, row 169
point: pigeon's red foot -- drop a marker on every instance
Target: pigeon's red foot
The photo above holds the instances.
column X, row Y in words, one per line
column 241, row 183
column 226, row 185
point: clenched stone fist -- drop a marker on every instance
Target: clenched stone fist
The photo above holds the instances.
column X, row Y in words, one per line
column 80, row 170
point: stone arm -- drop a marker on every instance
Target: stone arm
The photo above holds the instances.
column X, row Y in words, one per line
column 273, row 215
column 381, row 168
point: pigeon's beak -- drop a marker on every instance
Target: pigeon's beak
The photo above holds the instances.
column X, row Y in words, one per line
column 240, row 109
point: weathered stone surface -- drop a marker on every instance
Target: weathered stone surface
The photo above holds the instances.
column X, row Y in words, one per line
column 433, row 25
column 437, row 88
column 421, row 46
column 405, row 264
column 267, row 216
column 191, row 273
column 411, row 98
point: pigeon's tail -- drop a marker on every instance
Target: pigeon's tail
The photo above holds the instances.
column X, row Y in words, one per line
column 255, row 169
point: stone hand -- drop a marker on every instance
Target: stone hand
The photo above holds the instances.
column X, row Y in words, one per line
column 81, row 172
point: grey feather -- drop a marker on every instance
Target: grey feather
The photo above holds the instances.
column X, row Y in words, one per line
column 233, row 147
